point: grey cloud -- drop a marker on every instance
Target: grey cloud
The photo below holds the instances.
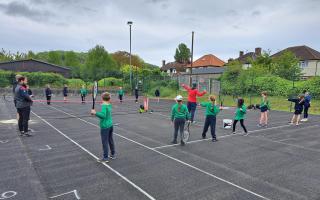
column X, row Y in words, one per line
column 22, row 10
column 256, row 13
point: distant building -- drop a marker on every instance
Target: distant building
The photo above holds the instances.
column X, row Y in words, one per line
column 204, row 71
column 173, row 68
column 308, row 57
column 32, row 65
column 245, row 59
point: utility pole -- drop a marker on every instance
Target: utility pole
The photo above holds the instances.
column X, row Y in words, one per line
column 192, row 40
column 130, row 23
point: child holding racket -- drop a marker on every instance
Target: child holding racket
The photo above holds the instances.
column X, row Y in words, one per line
column 179, row 114
column 192, row 98
column 211, row 112
column 264, row 107
column 240, row 115
column 106, row 127
column 298, row 108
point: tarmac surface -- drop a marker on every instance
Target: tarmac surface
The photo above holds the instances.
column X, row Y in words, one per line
column 59, row 161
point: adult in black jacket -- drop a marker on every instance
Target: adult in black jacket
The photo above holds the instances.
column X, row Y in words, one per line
column 23, row 104
column 157, row 93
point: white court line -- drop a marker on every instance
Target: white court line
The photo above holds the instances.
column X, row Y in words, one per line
column 46, row 149
column 193, row 141
column 75, row 192
column 95, row 157
column 170, row 157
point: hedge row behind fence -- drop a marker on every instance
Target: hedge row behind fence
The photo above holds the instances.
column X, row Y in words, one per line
column 274, row 85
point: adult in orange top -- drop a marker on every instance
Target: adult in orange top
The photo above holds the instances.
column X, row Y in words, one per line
column 192, row 98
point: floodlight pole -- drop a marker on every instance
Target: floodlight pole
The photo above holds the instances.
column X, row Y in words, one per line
column 130, row 24
column 192, row 40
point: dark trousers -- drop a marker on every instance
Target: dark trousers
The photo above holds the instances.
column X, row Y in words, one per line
column 120, row 97
column 48, row 100
column 305, row 112
column 178, row 125
column 83, row 98
column 24, row 115
column 210, row 121
column 242, row 124
column 107, row 141
column 192, row 109
column 137, row 96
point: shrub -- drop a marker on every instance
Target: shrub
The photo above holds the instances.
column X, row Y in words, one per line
column 110, row 81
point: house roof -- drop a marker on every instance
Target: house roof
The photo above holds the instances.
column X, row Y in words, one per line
column 301, row 52
column 25, row 60
column 174, row 65
column 208, row 70
column 208, row 61
column 244, row 59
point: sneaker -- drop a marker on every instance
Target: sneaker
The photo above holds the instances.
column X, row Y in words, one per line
column 214, row 140
column 182, row 143
column 103, row 160
column 174, row 142
column 304, row 120
column 21, row 133
column 112, row 157
column 297, row 124
column 27, row 134
column 233, row 132
column 259, row 125
column 204, row 137
column 290, row 123
column 265, row 126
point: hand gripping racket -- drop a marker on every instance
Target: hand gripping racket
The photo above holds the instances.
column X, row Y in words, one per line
column 94, row 93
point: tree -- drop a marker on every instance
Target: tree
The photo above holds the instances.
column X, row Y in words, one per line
column 286, row 66
column 72, row 61
column 123, row 58
column 99, row 63
column 54, row 57
column 182, row 54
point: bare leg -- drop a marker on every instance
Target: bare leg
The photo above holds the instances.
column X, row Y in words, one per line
column 298, row 119
column 266, row 117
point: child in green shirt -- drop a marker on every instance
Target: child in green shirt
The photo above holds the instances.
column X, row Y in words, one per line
column 211, row 112
column 264, row 107
column 240, row 115
column 106, row 127
column 179, row 114
column 120, row 94
column 83, row 93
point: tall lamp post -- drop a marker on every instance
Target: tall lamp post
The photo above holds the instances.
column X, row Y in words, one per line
column 130, row 24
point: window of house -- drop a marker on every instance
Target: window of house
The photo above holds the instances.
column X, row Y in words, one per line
column 303, row 63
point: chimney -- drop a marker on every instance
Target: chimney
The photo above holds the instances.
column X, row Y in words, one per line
column 163, row 63
column 240, row 54
column 257, row 51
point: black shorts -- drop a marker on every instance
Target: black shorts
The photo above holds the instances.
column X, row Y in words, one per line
column 65, row 95
column 264, row 109
column 297, row 112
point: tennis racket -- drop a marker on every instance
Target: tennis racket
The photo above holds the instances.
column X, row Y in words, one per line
column 186, row 132
column 94, row 93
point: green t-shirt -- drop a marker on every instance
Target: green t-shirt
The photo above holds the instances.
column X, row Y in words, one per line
column 182, row 114
column 240, row 114
column 265, row 103
column 211, row 109
column 120, row 92
column 105, row 116
column 83, row 91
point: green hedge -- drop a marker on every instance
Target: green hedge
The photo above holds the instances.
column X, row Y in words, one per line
column 274, row 85
column 35, row 79
column 110, row 81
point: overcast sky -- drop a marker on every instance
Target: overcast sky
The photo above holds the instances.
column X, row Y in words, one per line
column 222, row 27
